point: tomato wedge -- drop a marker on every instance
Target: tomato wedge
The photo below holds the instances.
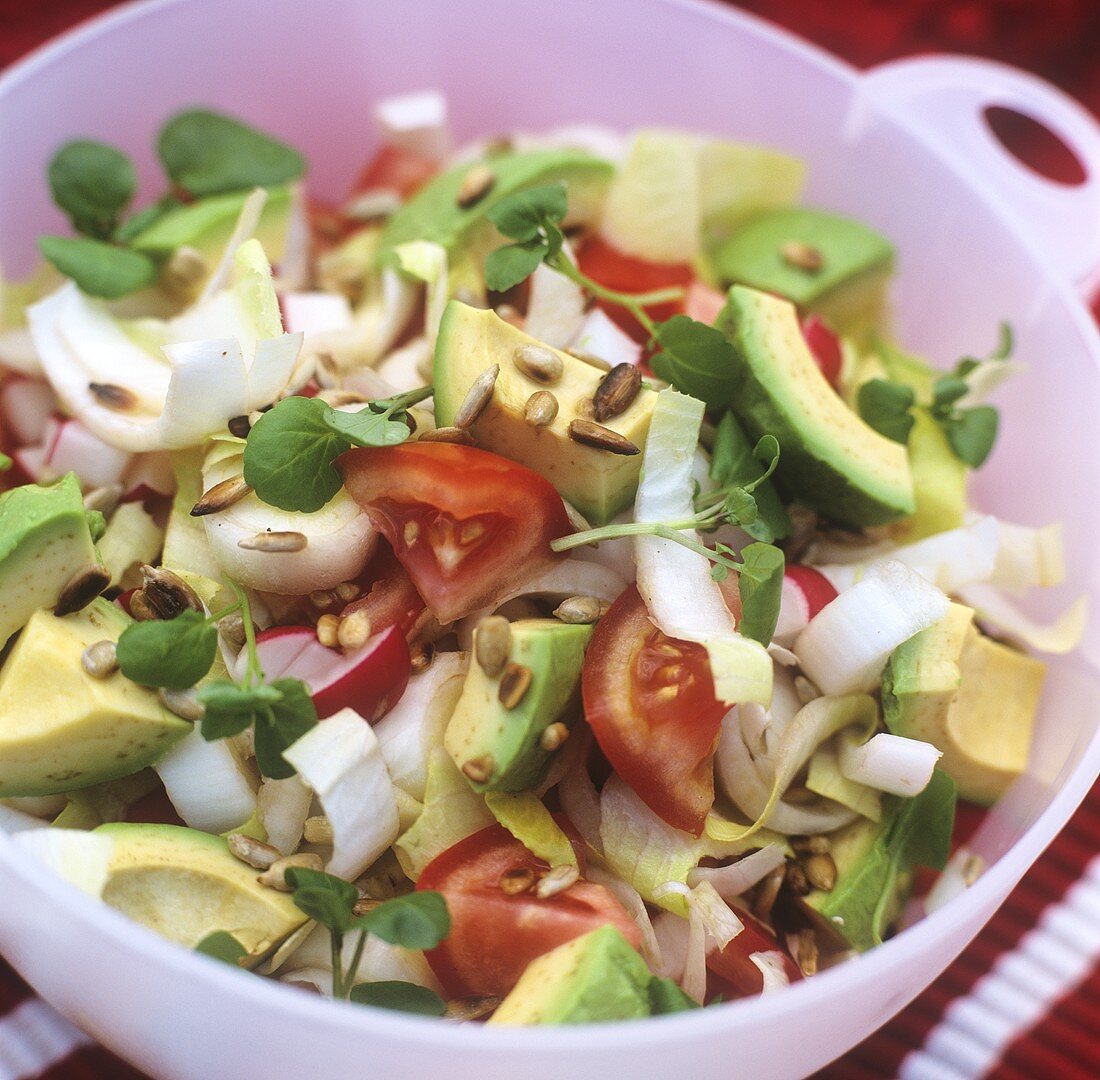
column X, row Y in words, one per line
column 395, row 169
column 825, row 347
column 494, row 936
column 650, row 701
column 389, row 597
column 462, row 522
column 735, row 973
column 612, row 268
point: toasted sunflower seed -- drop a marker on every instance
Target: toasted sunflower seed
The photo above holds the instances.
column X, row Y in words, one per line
column 221, row 497
column 492, row 643
column 255, row 853
column 231, row 627
column 449, row 435
column 797, row 881
column 590, row 359
column 517, row 880
column 82, row 588
column 274, row 877
column 514, row 684
column 578, row 610
column 557, row 881
column 553, row 737
column 477, row 398
column 373, row 204
column 821, row 871
column 186, row 267
column 802, row 256
column 539, row 363
column 114, row 397
column 322, row 598
column 422, row 656
column 601, row 438
column 541, row 409
column 337, row 397
column 139, row 609
column 100, row 659
column 354, row 631
column 477, row 183
column 239, row 426
column 811, row 845
column 347, row 591
column 104, row 499
column 182, row 703
column 275, row 542
column 328, row 631
column 471, row 1008
column 617, row 391
column 480, row 769
column 804, row 949
column 767, row 892
column 167, row 594
column 317, row 830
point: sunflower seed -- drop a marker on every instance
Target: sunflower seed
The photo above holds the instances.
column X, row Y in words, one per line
column 811, row 845
column 231, row 627
column 797, row 881
column 617, row 391
column 372, row 205
column 517, row 880
column 553, row 737
column 471, row 1008
column 347, row 591
column 449, row 435
column 820, row 871
column 802, row 256
column 275, row 542
column 104, row 499
column 421, row 657
column 480, row 770
column 578, row 610
column 166, row 594
column 557, row 881
column 539, row 363
column 255, row 853
column 221, row 497
column 514, row 684
column 492, row 643
column 328, row 631
column 317, row 830
column 803, row 948
column 114, row 397
column 477, row 398
column 322, row 598
column 100, row 659
column 182, row 703
column 767, row 892
column 541, row 409
column 186, row 267
column 139, row 609
column 239, row 426
column 590, row 359
column 81, row 589
column 601, row 438
column 336, row 397
column 354, row 631
column 476, row 184
column 274, row 877
column 586, row 409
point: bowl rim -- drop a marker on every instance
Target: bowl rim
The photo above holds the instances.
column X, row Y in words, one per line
column 998, row 880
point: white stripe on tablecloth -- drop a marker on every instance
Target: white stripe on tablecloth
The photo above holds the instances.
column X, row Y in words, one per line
column 1049, row 961
column 33, row 1037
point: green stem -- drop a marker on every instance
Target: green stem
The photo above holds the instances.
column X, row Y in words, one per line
column 356, row 958
column 671, row 530
column 635, row 303
column 217, row 616
column 254, row 673
column 336, row 943
column 400, row 402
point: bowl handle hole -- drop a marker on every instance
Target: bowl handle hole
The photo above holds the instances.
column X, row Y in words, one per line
column 1035, row 146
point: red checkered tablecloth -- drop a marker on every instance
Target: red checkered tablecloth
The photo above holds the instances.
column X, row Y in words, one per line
column 1023, row 1001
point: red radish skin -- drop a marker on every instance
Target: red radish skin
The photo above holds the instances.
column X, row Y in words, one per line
column 815, row 586
column 825, row 346
column 703, row 303
column 26, row 406
column 71, row 447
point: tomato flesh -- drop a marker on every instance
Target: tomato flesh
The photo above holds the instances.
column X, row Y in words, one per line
column 389, row 598
column 735, row 973
column 495, row 936
column 825, row 347
column 462, row 522
column 650, row 702
column 395, row 169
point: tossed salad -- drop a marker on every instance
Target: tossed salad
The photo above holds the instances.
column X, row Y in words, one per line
column 537, row 588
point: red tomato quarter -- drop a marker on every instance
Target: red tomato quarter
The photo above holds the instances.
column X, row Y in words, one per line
column 736, row 974
column 464, row 523
column 494, row 936
column 650, row 701
column 389, row 597
column 395, row 169
column 825, row 346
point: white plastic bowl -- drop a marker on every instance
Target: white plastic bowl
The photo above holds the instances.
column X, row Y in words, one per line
column 981, row 239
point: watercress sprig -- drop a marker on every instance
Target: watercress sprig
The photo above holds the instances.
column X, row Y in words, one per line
column 418, row 921
column 288, row 460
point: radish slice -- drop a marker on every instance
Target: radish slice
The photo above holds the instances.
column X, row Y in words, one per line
column 208, row 784
column 149, row 476
column 890, row 763
column 71, row 447
column 416, row 122
column 313, row 313
column 846, row 645
column 369, row 680
column 676, row 584
column 342, row 761
column 805, row 592
column 27, row 406
column 601, row 337
column 31, row 462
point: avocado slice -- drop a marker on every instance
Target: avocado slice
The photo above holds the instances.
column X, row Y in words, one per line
column 936, row 688
column 44, row 539
column 434, row 213
column 599, row 484
column 831, row 460
column 593, row 978
column 60, row 729
column 506, row 742
column 843, row 280
column 876, row 862
column 185, row 885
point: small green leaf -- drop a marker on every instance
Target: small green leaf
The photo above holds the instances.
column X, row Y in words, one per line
column 325, row 898
column 666, row 997
column 229, row 708
column 946, row 391
column 972, row 434
column 223, row 946
column 174, row 654
column 885, row 407
column 97, row 524
column 522, row 215
column 5, row 463
column 282, row 723
column 99, row 269
column 734, row 463
column 419, row 920
column 208, row 153
column 368, row 427
column 509, row 265
column 1006, row 342
column 93, row 183
column 289, row 457
column 760, row 585
column 399, row 996
column 697, row 359
column 740, row 507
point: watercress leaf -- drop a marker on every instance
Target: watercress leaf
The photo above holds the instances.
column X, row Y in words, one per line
column 734, row 463
column 97, row 524
column 766, row 452
column 666, row 997
column 93, row 183
column 740, row 507
column 885, row 407
column 99, row 269
column 399, row 996
column 174, row 653
column 946, row 391
column 289, row 455
column 419, row 920
column 230, row 708
column 223, row 946
column 697, row 359
column 972, row 434
column 208, row 153
column 760, row 585
column 367, row 427
column 6, row 463
column 280, row 724
column 509, row 265
column 522, row 215
column 966, row 365
column 719, row 572
column 325, row 898
column 1006, row 342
